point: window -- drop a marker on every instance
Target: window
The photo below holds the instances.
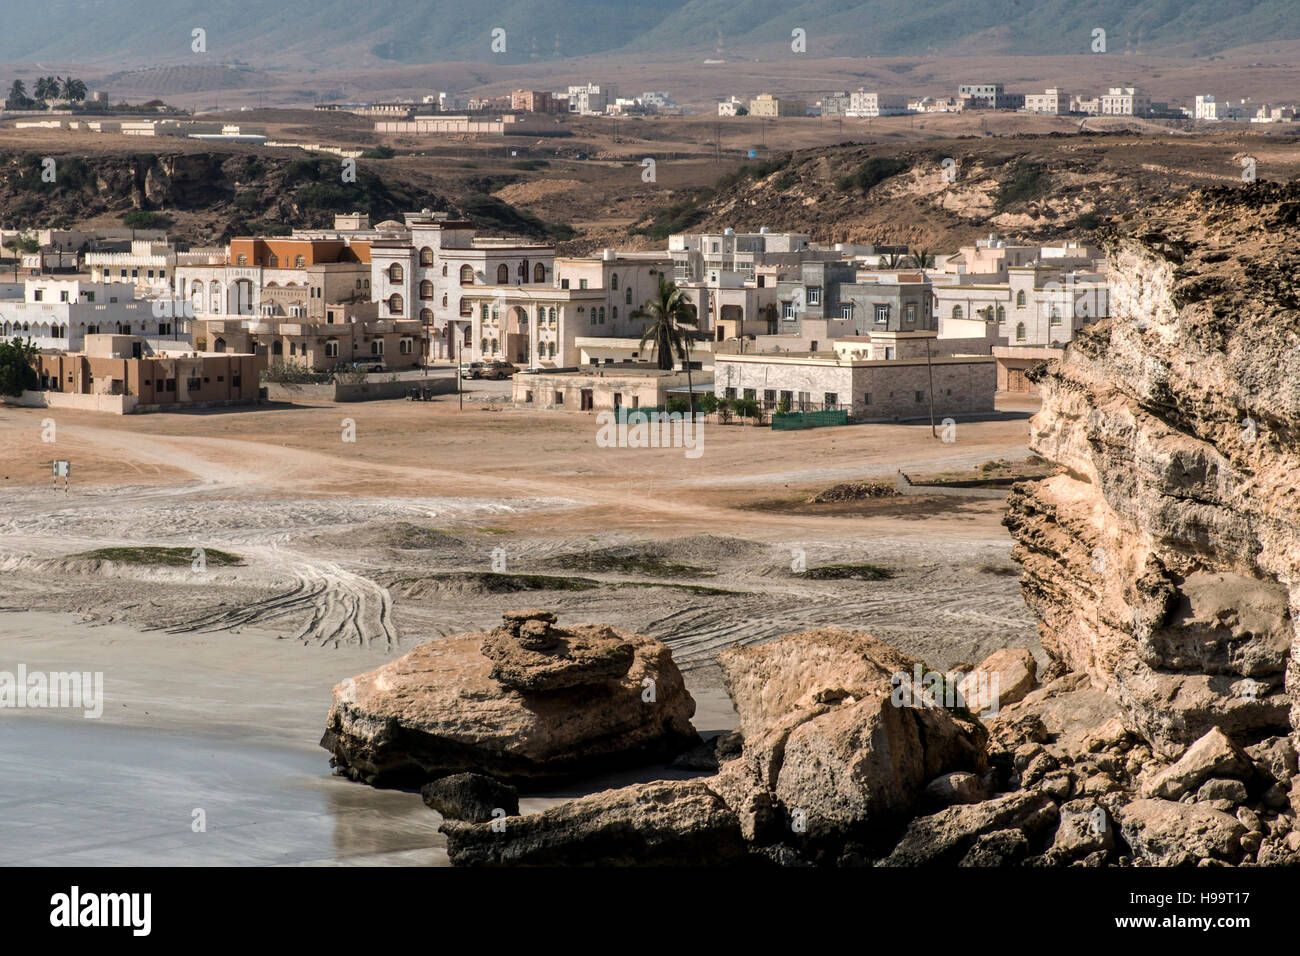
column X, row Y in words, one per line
column 193, row 384
column 627, row 297
column 466, row 308
column 164, row 328
column 539, row 273
column 331, row 348
column 170, row 385
column 395, row 304
column 564, row 283
column 601, row 312
column 1054, row 318
column 882, row 312
column 90, row 297
column 559, row 398
column 503, row 274
column 426, row 315
column 582, row 283
column 1020, row 299
column 377, row 347
column 39, row 295
column 920, row 396
column 831, row 399
column 235, row 381
column 1001, row 314
column 956, row 312
column 1020, row 331
column 466, row 275
column 911, row 313
column 273, row 262
column 395, row 272
column 405, row 346
column 426, row 256
column 613, row 281
column 846, row 310
column 523, row 271
column 814, row 295
column 483, row 346
column 787, row 310
column 866, row 398
column 426, row 289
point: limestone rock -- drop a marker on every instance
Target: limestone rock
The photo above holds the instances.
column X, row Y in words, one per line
column 439, row 711
column 1165, row 833
column 1004, row 677
column 1085, row 828
column 531, row 656
column 1214, row 755
column 667, row 823
column 953, row 788
column 946, row 837
column 471, row 796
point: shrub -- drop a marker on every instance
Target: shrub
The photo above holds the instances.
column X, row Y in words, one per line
column 145, row 219
column 874, row 171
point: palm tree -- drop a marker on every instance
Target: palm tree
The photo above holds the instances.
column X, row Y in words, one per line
column 74, row 90
column 46, row 88
column 671, row 324
column 923, row 258
column 17, row 94
column 891, row 261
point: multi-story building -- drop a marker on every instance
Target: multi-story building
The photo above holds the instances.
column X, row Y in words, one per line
column 349, row 333
column 829, row 300
column 835, row 104
column 60, row 313
column 696, row 254
column 434, row 273
column 533, row 101
column 865, row 104
column 591, row 98
column 1125, row 101
column 733, row 107
column 989, row 96
column 1053, row 101
column 767, row 105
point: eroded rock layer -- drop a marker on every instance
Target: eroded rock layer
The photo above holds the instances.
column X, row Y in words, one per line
column 1162, row 560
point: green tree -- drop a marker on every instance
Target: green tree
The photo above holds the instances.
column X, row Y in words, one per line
column 671, row 323
column 74, row 90
column 18, row 95
column 46, row 88
column 922, row 258
column 16, row 371
column 892, row 261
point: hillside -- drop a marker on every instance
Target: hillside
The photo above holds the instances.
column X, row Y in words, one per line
column 323, row 32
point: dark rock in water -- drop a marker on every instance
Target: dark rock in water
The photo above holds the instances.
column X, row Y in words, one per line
column 603, row 699
column 667, row 823
column 472, row 797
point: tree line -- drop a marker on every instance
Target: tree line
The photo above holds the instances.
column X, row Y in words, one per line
column 46, row 88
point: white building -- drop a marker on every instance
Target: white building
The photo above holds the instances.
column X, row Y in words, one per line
column 1053, row 101
column 733, row 107
column 591, row 99
column 865, row 104
column 1125, row 101
column 60, row 313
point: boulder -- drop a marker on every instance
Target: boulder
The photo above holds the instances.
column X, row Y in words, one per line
column 839, row 738
column 601, row 698
column 666, row 823
column 1222, row 794
column 1214, row 755
column 1165, row 833
column 945, row 837
column 951, row 789
column 1085, row 828
column 471, row 796
column 999, row 848
column 1002, row 678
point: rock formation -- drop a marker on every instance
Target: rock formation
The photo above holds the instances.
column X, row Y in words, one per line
column 528, row 701
column 1161, row 561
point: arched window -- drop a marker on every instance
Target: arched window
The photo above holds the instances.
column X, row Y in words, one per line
column 395, row 272
column 1002, row 314
column 613, row 280
column 627, row 299
column 465, row 308
column 331, row 348
column 494, row 346
column 293, row 348
column 1020, row 299
column 444, row 300
column 552, row 316
column 426, row 315
column 466, row 275
column 1054, row 317
column 395, row 304
column 503, row 274
column 273, row 261
column 444, row 268
column 539, row 273
column 552, row 350
column 219, row 345
column 483, row 346
column 1020, row 331
column 426, row 289
column 613, row 313
column 956, row 312
column 277, row 347
column 426, row 256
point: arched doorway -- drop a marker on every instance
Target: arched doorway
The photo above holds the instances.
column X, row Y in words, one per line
column 517, row 336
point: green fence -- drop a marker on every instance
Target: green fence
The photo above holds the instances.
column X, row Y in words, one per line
column 636, row 416
column 791, row 420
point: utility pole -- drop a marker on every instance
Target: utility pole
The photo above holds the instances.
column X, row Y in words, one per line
column 930, row 370
column 460, row 396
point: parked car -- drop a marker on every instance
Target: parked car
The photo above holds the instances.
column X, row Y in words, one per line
column 471, row 369
column 498, row 370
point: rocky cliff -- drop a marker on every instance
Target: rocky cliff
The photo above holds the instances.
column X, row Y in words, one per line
column 1162, row 561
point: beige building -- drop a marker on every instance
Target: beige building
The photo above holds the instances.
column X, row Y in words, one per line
column 601, row 390
column 765, row 104
column 1053, row 101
